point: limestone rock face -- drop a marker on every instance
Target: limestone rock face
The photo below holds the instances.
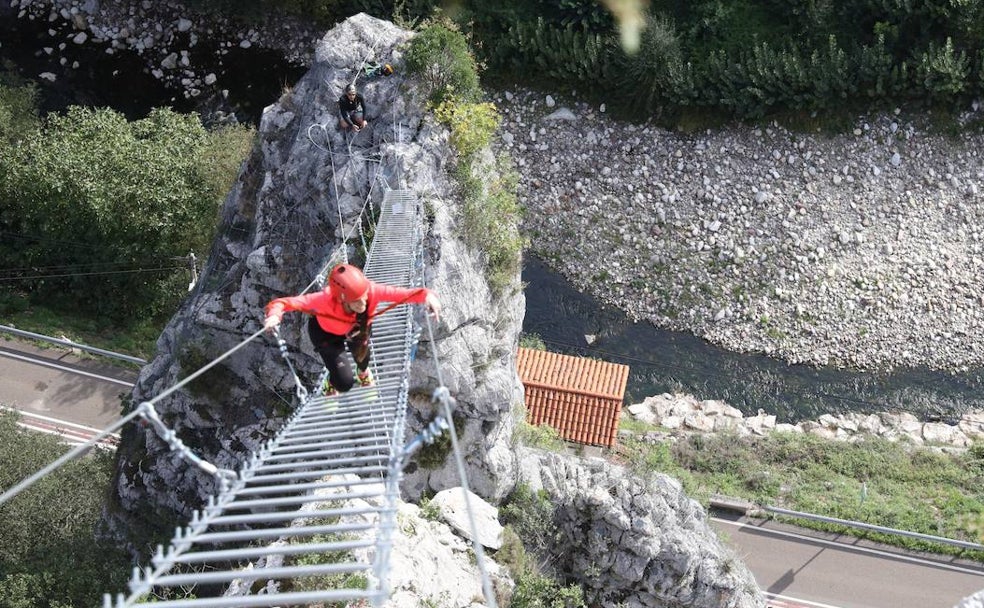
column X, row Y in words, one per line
column 454, row 508
column 296, row 198
column 279, row 225
column 973, row 601
column 633, row 542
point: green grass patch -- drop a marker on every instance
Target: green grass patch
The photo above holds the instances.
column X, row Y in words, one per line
column 532, row 341
column 873, row 480
column 630, row 423
column 137, row 339
column 49, row 553
column 543, row 436
column 350, row 580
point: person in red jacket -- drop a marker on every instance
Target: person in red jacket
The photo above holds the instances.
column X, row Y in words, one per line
column 342, row 315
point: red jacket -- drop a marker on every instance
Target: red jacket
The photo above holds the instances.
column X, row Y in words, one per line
column 329, row 311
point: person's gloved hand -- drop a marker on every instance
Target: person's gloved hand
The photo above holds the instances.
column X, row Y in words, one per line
column 271, row 323
column 433, row 305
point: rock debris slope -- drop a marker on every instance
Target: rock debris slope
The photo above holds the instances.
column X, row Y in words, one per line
column 860, row 250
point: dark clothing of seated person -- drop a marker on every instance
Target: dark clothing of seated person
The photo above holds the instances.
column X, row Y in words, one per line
column 352, row 110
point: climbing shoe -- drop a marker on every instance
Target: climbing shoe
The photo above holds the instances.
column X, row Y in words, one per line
column 364, row 378
column 327, row 389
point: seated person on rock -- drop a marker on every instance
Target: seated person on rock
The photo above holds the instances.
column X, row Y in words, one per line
column 352, row 110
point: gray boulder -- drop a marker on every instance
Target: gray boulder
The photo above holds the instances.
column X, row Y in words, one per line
column 635, row 542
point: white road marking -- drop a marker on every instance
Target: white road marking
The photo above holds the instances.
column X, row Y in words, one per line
column 67, row 438
column 63, row 368
column 879, row 553
column 57, row 422
column 796, row 602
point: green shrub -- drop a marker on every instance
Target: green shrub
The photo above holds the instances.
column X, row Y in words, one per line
column 49, row 555
column 877, row 73
column 472, row 124
column 531, row 516
column 561, row 53
column 111, row 208
column 942, row 72
column 512, row 554
column 439, row 54
column 532, row 340
column 491, row 218
column 537, row 591
column 18, row 112
column 541, row 436
column 429, row 510
column 657, row 72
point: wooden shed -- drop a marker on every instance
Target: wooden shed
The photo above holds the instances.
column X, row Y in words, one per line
column 580, row 397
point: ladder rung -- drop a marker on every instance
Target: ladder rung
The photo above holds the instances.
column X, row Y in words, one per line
column 284, row 501
column 304, row 487
column 226, row 576
column 257, row 518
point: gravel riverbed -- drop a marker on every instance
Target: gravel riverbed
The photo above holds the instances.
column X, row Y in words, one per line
column 860, row 250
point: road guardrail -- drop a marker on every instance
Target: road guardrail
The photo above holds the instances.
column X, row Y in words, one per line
column 70, row 344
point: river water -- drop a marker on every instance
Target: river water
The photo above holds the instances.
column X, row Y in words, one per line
column 662, row 361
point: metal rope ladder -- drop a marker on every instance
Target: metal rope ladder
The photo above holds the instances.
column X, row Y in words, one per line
column 326, row 485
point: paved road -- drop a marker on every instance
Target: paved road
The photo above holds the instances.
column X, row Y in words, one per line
column 55, row 383
column 798, row 569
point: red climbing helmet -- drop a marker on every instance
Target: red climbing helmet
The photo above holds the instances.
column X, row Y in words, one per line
column 349, row 282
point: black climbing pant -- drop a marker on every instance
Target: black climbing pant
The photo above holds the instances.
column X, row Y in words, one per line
column 331, row 347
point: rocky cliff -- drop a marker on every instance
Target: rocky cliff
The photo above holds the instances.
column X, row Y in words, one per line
column 635, row 542
column 297, row 195
column 279, row 225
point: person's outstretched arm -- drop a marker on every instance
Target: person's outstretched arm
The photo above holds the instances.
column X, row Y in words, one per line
column 416, row 295
column 276, row 308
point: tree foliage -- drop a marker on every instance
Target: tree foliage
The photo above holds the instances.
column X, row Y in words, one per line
column 18, row 110
column 49, row 555
column 440, row 55
column 102, row 212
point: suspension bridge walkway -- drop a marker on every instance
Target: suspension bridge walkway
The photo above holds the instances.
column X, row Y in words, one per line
column 310, row 516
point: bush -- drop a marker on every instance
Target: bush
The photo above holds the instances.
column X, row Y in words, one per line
column 18, row 113
column 536, row 591
column 491, row 221
column 656, row 71
column 491, row 210
column 49, row 555
column 541, row 436
column 472, row 124
column 942, row 72
column 110, row 209
column 559, row 53
column 530, row 514
column 532, row 340
column 439, row 54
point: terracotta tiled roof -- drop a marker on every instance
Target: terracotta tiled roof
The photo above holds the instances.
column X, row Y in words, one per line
column 581, row 398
